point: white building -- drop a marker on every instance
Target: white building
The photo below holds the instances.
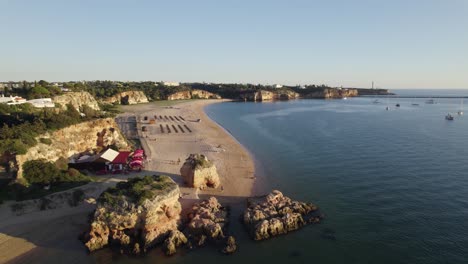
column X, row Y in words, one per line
column 12, row 100
column 171, row 83
column 41, row 103
column 277, row 86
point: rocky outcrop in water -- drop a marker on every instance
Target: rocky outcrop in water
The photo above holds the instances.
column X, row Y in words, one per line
column 208, row 222
column 193, row 94
column 67, row 142
column 77, row 99
column 263, row 95
column 175, row 240
column 198, row 172
column 127, row 98
column 136, row 215
column 277, row 214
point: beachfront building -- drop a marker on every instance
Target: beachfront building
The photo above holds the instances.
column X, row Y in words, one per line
column 108, row 161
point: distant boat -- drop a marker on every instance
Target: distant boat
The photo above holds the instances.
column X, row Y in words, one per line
column 386, row 108
column 449, row 117
column 345, row 98
column 430, row 101
column 460, row 112
column 397, row 105
column 376, row 101
column 415, row 104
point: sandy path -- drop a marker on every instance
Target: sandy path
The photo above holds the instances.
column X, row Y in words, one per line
column 51, row 236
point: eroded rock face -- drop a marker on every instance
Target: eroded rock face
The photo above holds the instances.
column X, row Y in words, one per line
column 264, row 95
column 66, row 142
column 126, row 98
column 332, row 93
column 208, row 222
column 175, row 240
column 77, row 99
column 231, row 245
column 277, row 214
column 136, row 215
column 193, row 94
column 198, row 172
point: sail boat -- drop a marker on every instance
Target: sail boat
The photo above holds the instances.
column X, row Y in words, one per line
column 460, row 112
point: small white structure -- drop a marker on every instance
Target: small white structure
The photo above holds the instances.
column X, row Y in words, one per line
column 42, row 102
column 171, row 83
column 12, row 100
column 277, row 86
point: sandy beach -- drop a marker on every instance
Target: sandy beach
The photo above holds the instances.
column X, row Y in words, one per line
column 52, row 235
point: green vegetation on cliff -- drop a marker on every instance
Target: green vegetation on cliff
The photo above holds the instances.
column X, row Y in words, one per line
column 138, row 189
column 38, row 174
column 21, row 124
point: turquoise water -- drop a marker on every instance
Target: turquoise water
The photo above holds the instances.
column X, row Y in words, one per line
column 392, row 184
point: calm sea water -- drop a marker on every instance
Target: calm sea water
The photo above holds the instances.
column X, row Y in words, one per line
column 392, row 184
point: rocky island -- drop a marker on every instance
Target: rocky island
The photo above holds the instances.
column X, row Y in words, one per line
column 276, row 214
column 135, row 215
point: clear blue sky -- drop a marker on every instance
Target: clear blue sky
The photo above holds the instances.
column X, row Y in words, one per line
column 396, row 43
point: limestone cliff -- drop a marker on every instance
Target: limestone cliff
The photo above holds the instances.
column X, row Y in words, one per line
column 198, row 172
column 263, row 95
column 193, row 94
column 66, row 142
column 136, row 214
column 126, row 98
column 276, row 214
column 331, row 93
column 77, row 99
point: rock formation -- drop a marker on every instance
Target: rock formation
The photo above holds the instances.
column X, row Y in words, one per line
column 136, row 215
column 193, row 94
column 276, row 214
column 198, row 172
column 175, row 240
column 331, row 93
column 66, row 142
column 77, row 99
column 263, row 95
column 231, row 245
column 208, row 221
column 127, row 98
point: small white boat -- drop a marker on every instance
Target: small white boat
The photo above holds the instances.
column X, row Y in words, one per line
column 460, row 112
column 345, row 98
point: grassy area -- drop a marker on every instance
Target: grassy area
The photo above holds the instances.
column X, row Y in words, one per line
column 137, row 190
column 20, row 193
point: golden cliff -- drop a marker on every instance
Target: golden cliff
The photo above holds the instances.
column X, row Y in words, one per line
column 77, row 99
column 66, row 142
column 332, row 93
column 193, row 94
column 264, row 95
column 127, row 98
